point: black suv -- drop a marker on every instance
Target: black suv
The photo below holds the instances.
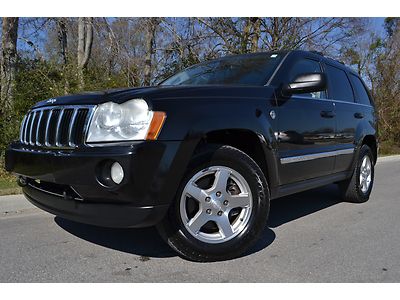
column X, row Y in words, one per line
column 202, row 154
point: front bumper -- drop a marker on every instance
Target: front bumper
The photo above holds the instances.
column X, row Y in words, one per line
column 66, row 182
column 101, row 214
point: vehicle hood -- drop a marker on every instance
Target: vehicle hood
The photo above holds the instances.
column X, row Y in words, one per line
column 161, row 93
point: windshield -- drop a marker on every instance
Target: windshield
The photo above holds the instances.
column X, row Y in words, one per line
column 254, row 69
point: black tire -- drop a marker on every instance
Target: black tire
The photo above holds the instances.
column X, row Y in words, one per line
column 351, row 188
column 186, row 245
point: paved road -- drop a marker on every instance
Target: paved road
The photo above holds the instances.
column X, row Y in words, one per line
column 312, row 237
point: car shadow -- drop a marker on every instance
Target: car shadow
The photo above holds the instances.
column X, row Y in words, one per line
column 293, row 207
column 147, row 243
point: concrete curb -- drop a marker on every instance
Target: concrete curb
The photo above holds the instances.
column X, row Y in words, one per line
column 389, row 158
column 13, row 204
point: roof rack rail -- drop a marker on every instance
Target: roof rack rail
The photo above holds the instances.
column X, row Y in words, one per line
column 317, row 52
column 338, row 61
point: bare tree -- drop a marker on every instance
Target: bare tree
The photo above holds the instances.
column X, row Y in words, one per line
column 256, row 34
column 387, row 88
column 242, row 35
column 62, row 38
column 8, row 61
column 62, row 35
column 150, row 35
column 85, row 42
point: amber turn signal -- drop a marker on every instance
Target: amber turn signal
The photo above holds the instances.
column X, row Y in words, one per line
column 156, row 124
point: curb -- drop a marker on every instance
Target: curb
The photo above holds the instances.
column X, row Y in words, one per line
column 14, row 204
column 389, row 158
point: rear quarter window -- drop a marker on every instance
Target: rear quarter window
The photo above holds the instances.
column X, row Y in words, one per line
column 361, row 93
column 339, row 85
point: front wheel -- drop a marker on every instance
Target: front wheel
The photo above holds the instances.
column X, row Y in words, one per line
column 358, row 188
column 220, row 209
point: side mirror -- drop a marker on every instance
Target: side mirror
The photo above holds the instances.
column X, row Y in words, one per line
column 306, row 83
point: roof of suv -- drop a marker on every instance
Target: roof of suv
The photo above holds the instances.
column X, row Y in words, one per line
column 315, row 54
column 326, row 59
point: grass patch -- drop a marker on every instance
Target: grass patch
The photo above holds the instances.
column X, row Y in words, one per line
column 8, row 184
column 388, row 148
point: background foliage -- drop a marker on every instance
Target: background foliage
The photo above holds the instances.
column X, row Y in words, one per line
column 125, row 52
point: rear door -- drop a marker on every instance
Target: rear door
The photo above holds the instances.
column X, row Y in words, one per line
column 306, row 133
column 340, row 91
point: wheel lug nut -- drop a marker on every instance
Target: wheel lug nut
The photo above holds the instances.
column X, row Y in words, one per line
column 208, row 199
column 218, row 194
column 219, row 213
column 226, row 202
column 208, row 211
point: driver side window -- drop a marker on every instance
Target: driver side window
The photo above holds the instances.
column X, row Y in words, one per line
column 306, row 66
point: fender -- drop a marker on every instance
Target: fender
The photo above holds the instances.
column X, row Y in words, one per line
column 191, row 120
column 365, row 128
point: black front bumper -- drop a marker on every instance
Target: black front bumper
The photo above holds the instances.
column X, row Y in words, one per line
column 68, row 182
column 101, row 214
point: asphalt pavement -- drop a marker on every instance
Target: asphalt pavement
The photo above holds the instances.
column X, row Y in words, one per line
column 311, row 237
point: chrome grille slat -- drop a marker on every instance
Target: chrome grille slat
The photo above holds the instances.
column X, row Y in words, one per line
column 31, row 127
column 38, row 127
column 28, row 119
column 46, row 135
column 56, row 126
column 21, row 132
column 71, row 127
column 58, row 137
column 34, row 124
column 53, row 126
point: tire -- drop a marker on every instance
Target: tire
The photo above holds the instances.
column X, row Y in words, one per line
column 352, row 189
column 228, row 231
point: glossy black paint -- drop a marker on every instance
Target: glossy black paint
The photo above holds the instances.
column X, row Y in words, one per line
column 154, row 169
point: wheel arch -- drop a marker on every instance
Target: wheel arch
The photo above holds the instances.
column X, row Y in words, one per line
column 253, row 144
column 370, row 141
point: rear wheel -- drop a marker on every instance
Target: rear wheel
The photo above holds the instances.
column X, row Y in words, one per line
column 358, row 188
column 220, row 209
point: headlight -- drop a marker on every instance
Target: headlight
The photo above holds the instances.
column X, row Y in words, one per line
column 131, row 120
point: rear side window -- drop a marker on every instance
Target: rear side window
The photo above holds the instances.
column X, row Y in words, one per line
column 339, row 84
column 306, row 66
column 361, row 93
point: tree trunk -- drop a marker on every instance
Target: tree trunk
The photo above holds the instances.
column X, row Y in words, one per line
column 151, row 28
column 63, row 41
column 85, row 42
column 245, row 36
column 275, row 34
column 256, row 34
column 8, row 61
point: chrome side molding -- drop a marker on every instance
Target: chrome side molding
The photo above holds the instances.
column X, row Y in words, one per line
column 306, row 157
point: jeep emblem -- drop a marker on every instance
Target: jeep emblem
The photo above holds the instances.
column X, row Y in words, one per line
column 52, row 100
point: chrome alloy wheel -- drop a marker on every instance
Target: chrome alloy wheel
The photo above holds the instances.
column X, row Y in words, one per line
column 216, row 204
column 365, row 174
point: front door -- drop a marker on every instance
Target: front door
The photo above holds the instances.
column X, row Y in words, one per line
column 306, row 136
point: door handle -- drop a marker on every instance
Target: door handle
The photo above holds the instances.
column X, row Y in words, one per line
column 358, row 115
column 327, row 114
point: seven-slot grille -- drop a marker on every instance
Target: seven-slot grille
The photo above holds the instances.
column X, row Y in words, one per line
column 58, row 126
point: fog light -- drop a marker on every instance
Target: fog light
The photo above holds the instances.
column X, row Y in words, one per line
column 117, row 173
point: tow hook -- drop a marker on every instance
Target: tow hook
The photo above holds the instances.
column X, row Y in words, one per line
column 22, row 182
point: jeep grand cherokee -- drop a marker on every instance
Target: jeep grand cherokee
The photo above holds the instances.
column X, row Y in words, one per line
column 202, row 154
